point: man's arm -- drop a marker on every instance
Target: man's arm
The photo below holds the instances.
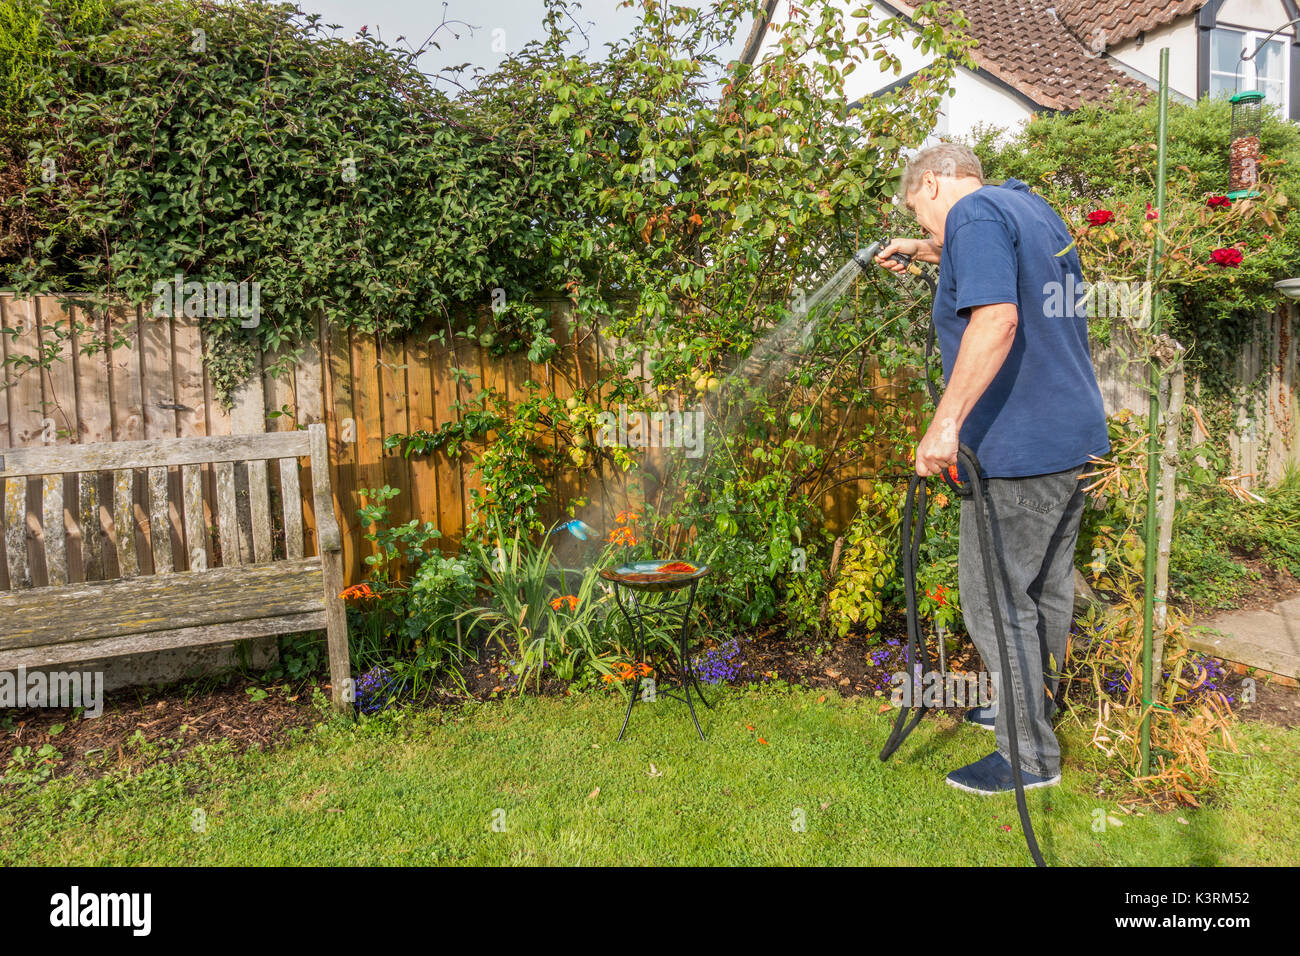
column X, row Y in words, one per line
column 984, row 347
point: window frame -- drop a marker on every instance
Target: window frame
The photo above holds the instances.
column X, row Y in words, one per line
column 1247, row 78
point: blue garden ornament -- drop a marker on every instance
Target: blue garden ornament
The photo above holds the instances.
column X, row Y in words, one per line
column 577, row 527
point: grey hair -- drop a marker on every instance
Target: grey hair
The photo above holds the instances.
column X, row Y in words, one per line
column 943, row 159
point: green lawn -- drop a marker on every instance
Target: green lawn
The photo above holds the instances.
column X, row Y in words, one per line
column 428, row 787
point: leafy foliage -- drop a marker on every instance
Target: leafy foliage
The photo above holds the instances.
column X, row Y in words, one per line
column 245, row 143
column 1102, row 157
column 870, row 552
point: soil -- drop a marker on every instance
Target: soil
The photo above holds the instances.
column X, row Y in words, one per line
column 171, row 721
column 1274, row 704
column 1269, row 586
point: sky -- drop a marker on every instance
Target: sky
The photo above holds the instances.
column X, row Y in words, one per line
column 474, row 27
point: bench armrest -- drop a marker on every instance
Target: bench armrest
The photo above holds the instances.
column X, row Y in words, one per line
column 327, row 526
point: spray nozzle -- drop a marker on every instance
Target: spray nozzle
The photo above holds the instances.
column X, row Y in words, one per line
column 865, row 258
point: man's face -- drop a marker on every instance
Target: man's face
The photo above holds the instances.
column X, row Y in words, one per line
column 923, row 203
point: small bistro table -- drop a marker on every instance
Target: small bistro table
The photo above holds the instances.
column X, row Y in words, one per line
column 646, row 577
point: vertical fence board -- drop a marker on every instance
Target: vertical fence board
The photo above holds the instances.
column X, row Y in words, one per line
column 369, row 443
column 491, row 378
column 450, row 490
column 394, row 401
column 309, row 395
column 563, row 377
column 342, row 427
column 422, row 469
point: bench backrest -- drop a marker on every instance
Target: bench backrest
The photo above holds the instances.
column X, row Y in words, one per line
column 74, row 513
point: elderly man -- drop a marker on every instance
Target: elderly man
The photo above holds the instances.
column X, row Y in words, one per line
column 1022, row 393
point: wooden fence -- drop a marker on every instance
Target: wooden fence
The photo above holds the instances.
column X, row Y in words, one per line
column 154, row 385
column 1266, row 438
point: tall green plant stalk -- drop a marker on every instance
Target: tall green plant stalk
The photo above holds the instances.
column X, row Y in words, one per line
column 1153, row 441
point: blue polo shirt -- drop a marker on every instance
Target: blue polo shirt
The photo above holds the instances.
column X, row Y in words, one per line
column 1043, row 410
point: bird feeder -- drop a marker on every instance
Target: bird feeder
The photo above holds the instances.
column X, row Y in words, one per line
column 1243, row 154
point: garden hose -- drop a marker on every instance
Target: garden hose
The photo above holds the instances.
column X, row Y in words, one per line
column 913, row 534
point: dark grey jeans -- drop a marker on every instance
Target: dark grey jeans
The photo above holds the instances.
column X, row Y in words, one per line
column 1034, row 523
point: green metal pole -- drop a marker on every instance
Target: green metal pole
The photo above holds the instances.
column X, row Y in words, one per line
column 1153, row 422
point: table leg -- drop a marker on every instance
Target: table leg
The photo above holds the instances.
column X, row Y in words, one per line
column 684, row 661
column 637, row 631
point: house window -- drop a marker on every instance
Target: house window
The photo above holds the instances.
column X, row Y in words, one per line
column 1267, row 72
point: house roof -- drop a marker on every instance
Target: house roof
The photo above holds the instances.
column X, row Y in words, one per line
column 1027, row 46
column 1120, row 20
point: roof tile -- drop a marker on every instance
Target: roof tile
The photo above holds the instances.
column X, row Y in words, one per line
column 1113, row 21
column 1027, row 45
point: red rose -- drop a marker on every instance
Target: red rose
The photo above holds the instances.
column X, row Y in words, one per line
column 1099, row 217
column 1214, row 201
column 1228, row 257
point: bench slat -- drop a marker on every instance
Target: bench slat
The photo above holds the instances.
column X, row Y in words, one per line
column 128, row 562
column 53, row 655
column 260, row 510
column 196, row 529
column 160, row 530
column 83, row 612
column 53, row 534
column 291, row 497
column 92, row 560
column 227, row 527
column 113, row 456
column 15, row 513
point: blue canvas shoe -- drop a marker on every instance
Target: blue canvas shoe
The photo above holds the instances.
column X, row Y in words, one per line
column 992, row 774
column 983, row 717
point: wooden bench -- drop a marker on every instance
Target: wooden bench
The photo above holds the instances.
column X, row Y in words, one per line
column 80, row 588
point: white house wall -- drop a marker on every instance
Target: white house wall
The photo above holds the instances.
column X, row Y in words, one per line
column 1180, row 37
column 1263, row 15
column 979, row 100
column 976, row 99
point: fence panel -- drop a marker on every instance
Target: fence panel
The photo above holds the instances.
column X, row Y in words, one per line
column 154, row 385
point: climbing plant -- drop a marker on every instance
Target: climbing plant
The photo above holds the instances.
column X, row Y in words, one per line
column 688, row 207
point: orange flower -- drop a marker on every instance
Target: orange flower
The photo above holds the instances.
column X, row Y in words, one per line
column 938, row 594
column 557, row 602
column 623, row 517
column 625, row 671
column 357, row 591
column 622, row 536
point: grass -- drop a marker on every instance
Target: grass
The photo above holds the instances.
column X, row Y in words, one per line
column 542, row 781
